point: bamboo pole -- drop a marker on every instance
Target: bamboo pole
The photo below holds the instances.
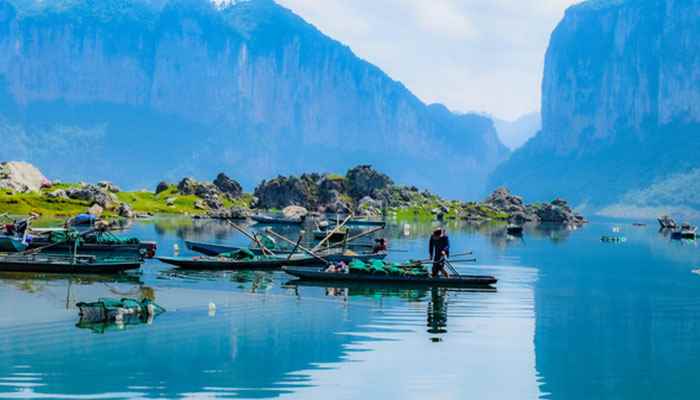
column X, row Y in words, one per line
column 359, row 235
column 304, row 249
column 333, row 231
column 251, row 237
column 296, row 246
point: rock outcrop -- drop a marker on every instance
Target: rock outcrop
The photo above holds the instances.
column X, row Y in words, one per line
column 364, row 180
column 21, row 177
column 93, row 195
column 162, row 187
column 228, row 186
column 286, row 191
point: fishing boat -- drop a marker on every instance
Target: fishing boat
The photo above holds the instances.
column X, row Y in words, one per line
column 316, row 274
column 11, row 244
column 226, row 261
column 514, row 230
column 214, row 249
column 268, row 220
column 97, row 243
column 230, row 264
column 73, row 264
column 686, row 231
column 666, row 222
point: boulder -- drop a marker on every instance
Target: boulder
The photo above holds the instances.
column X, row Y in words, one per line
column 162, row 186
column 330, row 187
column 368, row 206
column 125, row 211
column 284, row 191
column 502, row 200
column 93, row 195
column 229, row 213
column 189, row 186
column 334, row 203
column 95, row 210
column 200, row 205
column 228, row 186
column 364, row 180
column 295, row 212
column 213, row 202
column 21, row 177
column 108, row 187
column 170, row 201
column 57, row 194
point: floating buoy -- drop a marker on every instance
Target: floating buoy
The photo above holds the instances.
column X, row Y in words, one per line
column 176, row 249
column 406, row 229
column 212, row 309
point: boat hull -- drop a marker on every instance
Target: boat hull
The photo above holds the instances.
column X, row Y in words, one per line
column 310, row 274
column 64, row 265
column 11, row 244
column 220, row 264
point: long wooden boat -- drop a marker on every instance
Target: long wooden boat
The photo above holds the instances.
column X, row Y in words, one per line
column 316, row 274
column 271, row 262
column 80, row 264
column 229, row 264
column 267, row 220
column 214, row 249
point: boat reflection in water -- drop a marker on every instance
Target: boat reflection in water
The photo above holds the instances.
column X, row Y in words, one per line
column 435, row 298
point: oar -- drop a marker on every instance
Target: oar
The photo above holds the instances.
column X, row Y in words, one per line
column 428, row 260
column 269, row 231
column 251, row 237
column 331, row 233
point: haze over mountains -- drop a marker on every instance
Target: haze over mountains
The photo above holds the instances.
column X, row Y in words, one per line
column 620, row 108
column 137, row 91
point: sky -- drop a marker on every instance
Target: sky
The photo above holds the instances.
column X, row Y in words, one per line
column 471, row 55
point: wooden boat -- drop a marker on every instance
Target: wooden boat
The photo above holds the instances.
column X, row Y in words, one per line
column 11, row 244
column 214, row 249
column 686, row 231
column 80, row 264
column 90, row 245
column 230, row 264
column 268, row 262
column 316, row 274
column 268, row 220
column 514, row 230
column 613, row 239
column 666, row 222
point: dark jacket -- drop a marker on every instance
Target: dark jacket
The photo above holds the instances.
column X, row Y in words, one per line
column 437, row 245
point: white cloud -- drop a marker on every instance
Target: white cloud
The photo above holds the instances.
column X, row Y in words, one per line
column 472, row 55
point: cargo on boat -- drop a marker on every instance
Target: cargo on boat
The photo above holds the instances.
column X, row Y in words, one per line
column 96, row 243
column 72, row 264
column 320, row 275
column 11, row 244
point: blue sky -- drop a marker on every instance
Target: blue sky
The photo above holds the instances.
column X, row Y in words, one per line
column 471, row 55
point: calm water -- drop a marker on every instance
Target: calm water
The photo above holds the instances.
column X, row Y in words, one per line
column 572, row 318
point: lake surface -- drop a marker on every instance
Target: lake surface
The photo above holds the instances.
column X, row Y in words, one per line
column 572, row 318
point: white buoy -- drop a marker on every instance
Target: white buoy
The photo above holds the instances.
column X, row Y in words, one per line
column 406, row 229
column 212, row 309
column 176, row 249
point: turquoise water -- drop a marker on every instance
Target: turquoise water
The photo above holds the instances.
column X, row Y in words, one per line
column 572, row 318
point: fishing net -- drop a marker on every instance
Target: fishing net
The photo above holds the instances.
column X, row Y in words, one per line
column 240, row 255
column 107, row 309
column 110, row 238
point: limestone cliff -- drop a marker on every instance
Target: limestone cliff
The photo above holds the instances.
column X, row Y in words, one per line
column 620, row 102
column 193, row 88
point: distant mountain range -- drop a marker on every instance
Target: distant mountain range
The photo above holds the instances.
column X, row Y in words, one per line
column 620, row 108
column 515, row 133
column 136, row 91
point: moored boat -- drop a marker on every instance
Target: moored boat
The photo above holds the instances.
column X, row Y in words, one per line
column 268, row 220
column 230, row 264
column 514, row 230
column 686, row 231
column 316, row 274
column 73, row 264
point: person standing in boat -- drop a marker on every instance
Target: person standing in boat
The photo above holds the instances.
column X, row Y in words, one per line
column 439, row 249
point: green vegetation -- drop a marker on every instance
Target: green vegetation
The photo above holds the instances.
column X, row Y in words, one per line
column 26, row 203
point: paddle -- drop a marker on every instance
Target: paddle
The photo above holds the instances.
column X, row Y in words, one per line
column 251, row 237
column 269, row 231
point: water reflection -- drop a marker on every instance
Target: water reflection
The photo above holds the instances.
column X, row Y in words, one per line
column 437, row 313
